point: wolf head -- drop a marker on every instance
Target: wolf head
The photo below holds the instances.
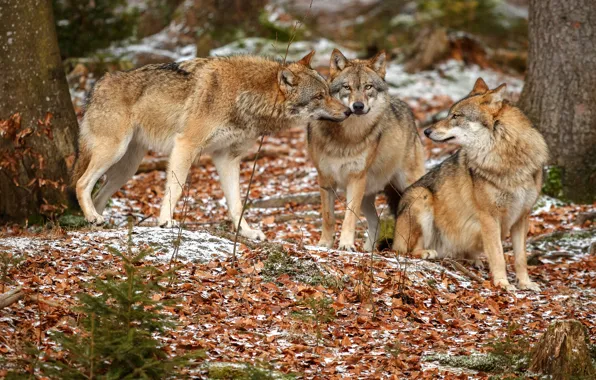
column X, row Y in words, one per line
column 359, row 84
column 470, row 121
column 307, row 94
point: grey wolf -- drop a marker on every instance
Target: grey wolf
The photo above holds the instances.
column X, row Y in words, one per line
column 483, row 192
column 377, row 148
column 217, row 106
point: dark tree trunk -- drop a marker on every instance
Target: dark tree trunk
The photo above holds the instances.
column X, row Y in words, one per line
column 559, row 95
column 33, row 154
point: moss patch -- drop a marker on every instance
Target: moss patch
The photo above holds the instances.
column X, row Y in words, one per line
column 386, row 233
column 278, row 263
column 481, row 362
column 553, row 182
column 72, row 221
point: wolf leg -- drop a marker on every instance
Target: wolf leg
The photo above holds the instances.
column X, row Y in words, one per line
column 372, row 218
column 181, row 159
column 518, row 238
column 119, row 173
column 409, row 227
column 328, row 211
column 491, row 241
column 354, row 195
column 104, row 153
column 228, row 169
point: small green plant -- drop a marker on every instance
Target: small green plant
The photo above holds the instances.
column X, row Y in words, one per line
column 513, row 349
column 553, row 182
column 317, row 311
column 116, row 336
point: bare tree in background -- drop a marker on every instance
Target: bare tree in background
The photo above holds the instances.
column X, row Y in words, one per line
column 560, row 91
column 34, row 151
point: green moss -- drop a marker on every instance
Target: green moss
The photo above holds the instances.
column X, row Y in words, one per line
column 482, row 362
column 386, row 233
column 242, row 371
column 72, row 221
column 279, row 263
column 553, row 182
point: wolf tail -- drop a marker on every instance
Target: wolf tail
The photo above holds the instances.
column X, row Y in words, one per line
column 393, row 197
column 82, row 160
column 83, row 157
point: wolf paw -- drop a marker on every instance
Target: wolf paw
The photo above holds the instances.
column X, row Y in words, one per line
column 252, row 234
column 350, row 247
column 529, row 285
column 478, row 264
column 325, row 243
column 429, row 254
column 369, row 245
column 504, row 284
column 96, row 220
column 169, row 224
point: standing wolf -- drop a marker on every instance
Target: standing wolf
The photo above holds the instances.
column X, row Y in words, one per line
column 216, row 106
column 376, row 148
column 470, row 202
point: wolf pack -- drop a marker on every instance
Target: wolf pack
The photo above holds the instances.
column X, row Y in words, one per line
column 361, row 139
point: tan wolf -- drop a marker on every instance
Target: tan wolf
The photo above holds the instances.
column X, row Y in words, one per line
column 470, row 202
column 376, row 148
column 210, row 105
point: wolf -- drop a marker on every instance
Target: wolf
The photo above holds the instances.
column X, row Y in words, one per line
column 486, row 190
column 377, row 148
column 216, row 105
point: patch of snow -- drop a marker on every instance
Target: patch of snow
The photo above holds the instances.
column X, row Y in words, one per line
column 272, row 48
column 452, row 79
column 195, row 246
column 544, row 204
column 160, row 44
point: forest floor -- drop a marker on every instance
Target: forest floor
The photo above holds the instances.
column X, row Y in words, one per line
column 287, row 304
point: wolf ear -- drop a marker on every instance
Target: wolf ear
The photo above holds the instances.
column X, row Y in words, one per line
column 497, row 95
column 378, row 63
column 286, row 80
column 337, row 63
column 306, row 59
column 480, row 87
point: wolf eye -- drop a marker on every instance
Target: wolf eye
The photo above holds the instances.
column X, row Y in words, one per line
column 455, row 116
column 346, row 87
column 368, row 87
column 319, row 97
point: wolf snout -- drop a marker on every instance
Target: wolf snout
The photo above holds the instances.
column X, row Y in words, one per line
column 427, row 132
column 347, row 112
column 358, row 106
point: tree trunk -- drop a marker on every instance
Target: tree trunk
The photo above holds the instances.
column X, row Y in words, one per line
column 36, row 145
column 562, row 352
column 559, row 94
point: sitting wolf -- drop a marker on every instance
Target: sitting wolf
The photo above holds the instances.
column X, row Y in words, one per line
column 470, row 202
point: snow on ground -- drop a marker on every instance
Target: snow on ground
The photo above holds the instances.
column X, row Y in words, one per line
column 271, row 48
column 194, row 246
column 451, row 79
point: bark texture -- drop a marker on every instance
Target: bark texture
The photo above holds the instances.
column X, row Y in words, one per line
column 559, row 95
column 563, row 353
column 36, row 145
